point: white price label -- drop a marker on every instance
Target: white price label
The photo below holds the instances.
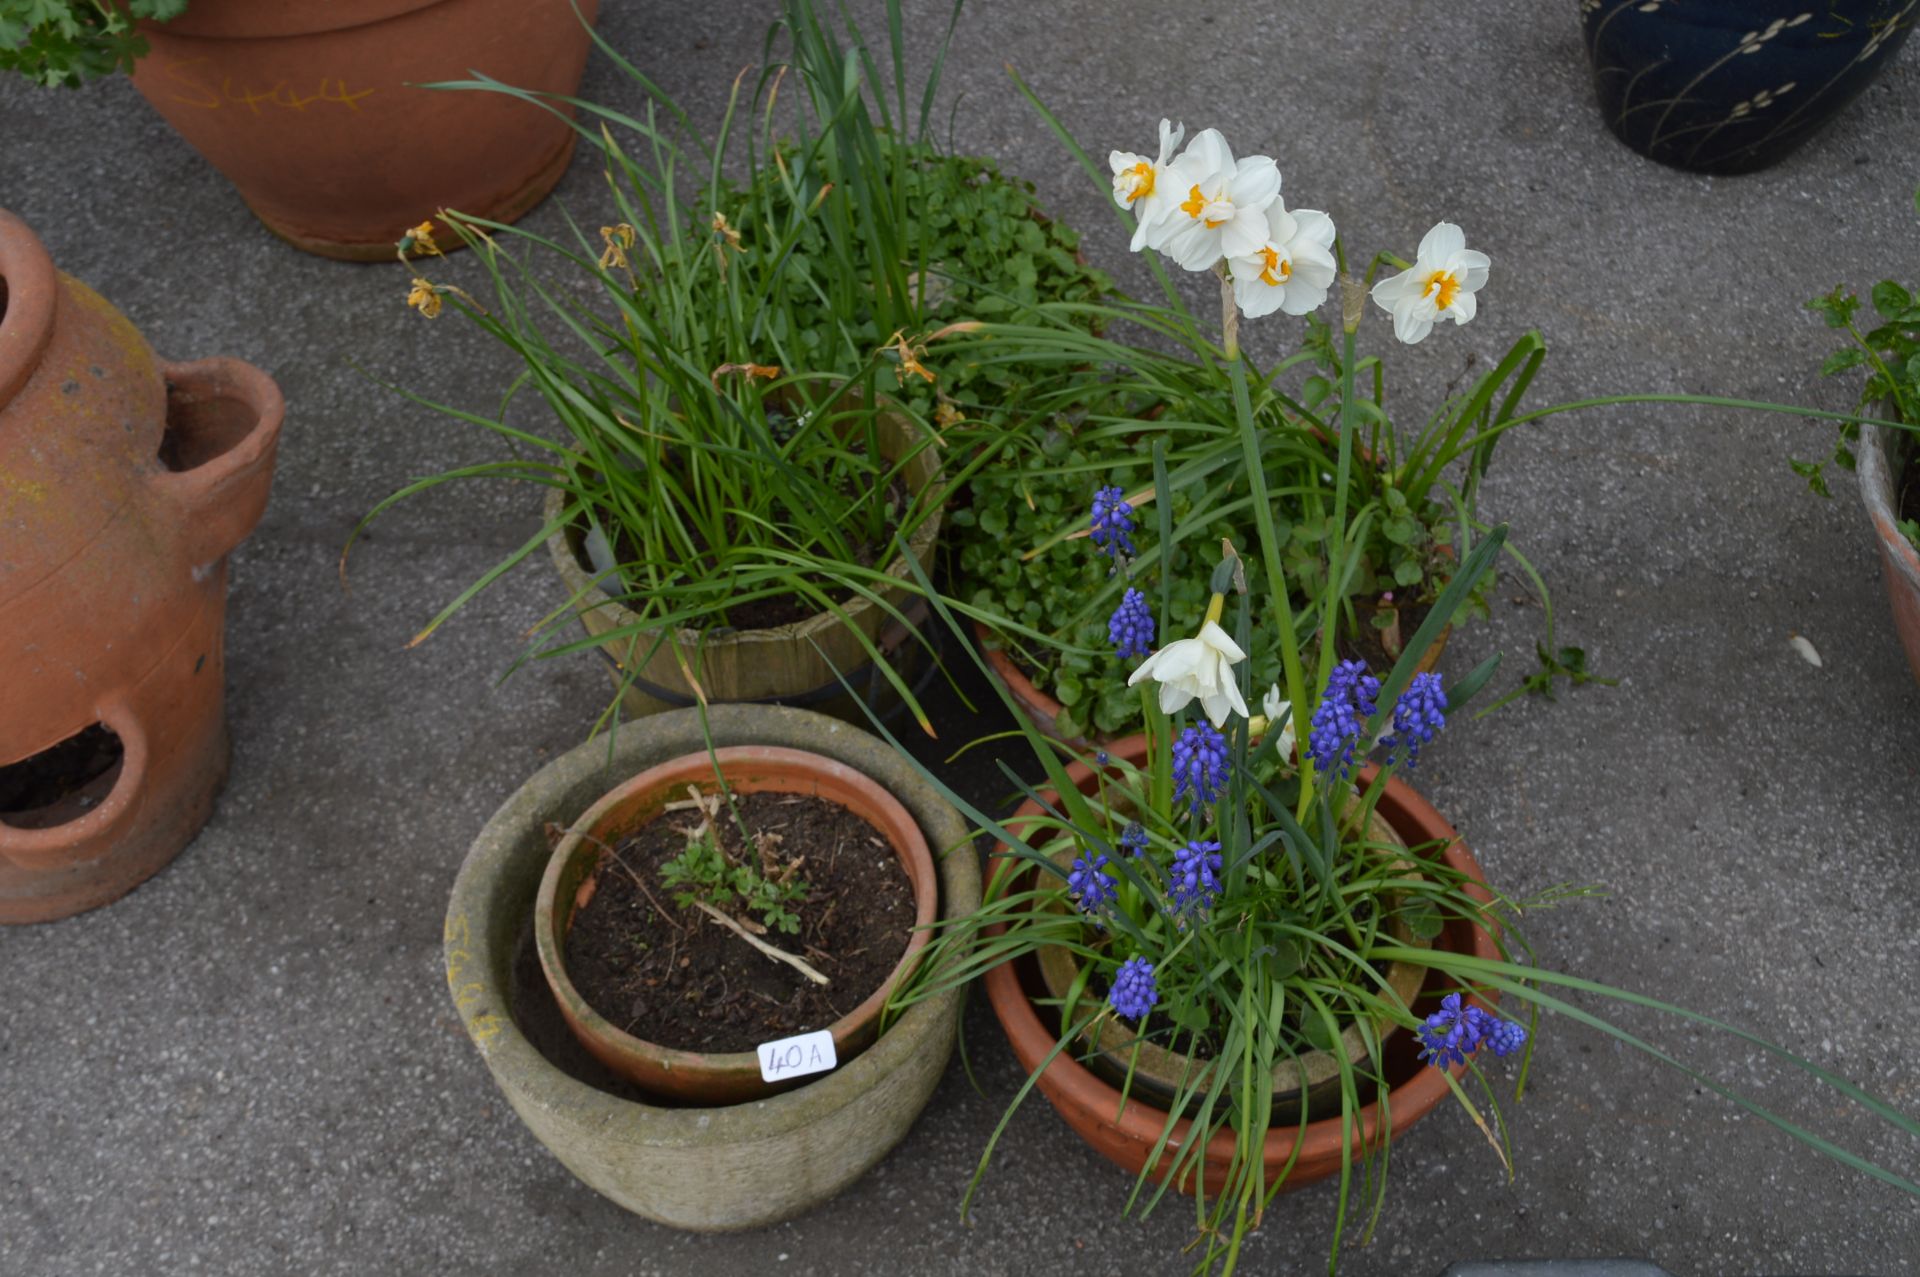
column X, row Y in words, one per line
column 797, row 1056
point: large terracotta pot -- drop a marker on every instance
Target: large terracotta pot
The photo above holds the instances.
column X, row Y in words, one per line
column 1880, row 474
column 312, row 110
column 690, row 1076
column 124, row 482
column 1127, row 1136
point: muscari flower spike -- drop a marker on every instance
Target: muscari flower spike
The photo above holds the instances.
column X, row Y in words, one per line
column 1134, row 992
column 1199, row 766
column 1418, row 714
column 1089, row 882
column 1453, row 1033
column 1112, row 522
column 1194, row 878
column 1131, row 628
column 1134, row 839
column 1342, row 716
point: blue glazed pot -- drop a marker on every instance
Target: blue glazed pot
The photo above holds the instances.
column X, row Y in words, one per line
column 1730, row 86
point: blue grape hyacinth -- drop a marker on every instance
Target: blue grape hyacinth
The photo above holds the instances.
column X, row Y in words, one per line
column 1199, row 766
column 1089, row 882
column 1134, row 992
column 1342, row 717
column 1418, row 714
column 1504, row 1037
column 1194, row 878
column 1134, row 839
column 1112, row 522
column 1131, row 628
column 1453, row 1033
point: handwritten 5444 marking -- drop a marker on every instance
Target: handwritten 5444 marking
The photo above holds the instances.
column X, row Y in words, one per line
column 198, row 90
column 486, row 1026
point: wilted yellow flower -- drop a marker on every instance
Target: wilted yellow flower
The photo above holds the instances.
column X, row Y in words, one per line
column 909, row 355
column 725, row 234
column 947, row 414
column 766, row 372
column 424, row 298
column 619, row 239
column 420, row 240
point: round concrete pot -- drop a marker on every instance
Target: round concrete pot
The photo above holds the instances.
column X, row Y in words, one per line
column 1127, row 1133
column 706, row 1169
column 574, row 871
column 1880, row 473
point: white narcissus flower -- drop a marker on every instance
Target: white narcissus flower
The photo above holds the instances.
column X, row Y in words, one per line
column 1274, row 706
column 1145, row 187
column 1292, row 270
column 1222, row 206
column 1197, row 668
column 1441, row 285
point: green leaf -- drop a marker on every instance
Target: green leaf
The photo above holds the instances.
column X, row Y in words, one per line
column 1890, row 299
column 1841, row 360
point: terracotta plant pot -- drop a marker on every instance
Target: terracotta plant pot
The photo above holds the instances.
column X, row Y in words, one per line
column 690, row 1076
column 1044, row 710
column 709, row 1169
column 1127, row 1136
column 799, row 664
column 313, row 111
column 1159, row 1074
column 124, row 482
column 1880, row 475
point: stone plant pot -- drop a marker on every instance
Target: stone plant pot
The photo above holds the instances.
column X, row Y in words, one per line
column 313, row 110
column 801, row 664
column 690, row 1076
column 1127, row 1134
column 706, row 1169
column 1730, row 86
column 1881, row 457
column 124, row 483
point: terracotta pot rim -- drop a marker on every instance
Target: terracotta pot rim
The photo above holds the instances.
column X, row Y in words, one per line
column 31, row 290
column 248, row 20
column 1877, row 492
column 1068, row 1084
column 895, row 823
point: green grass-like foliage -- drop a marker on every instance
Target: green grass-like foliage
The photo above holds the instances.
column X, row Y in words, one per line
column 718, row 353
column 68, row 42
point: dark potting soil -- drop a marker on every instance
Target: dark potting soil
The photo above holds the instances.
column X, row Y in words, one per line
column 73, row 773
column 1906, row 487
column 678, row 978
column 1367, row 645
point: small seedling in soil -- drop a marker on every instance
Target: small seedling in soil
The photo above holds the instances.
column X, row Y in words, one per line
column 759, row 881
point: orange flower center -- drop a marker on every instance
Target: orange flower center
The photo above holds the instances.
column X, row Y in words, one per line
column 1271, row 263
column 1441, row 286
column 1142, row 175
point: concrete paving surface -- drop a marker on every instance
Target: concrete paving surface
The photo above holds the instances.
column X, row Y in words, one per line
column 250, row 1065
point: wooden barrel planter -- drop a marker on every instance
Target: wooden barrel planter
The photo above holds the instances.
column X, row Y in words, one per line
column 801, row 664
